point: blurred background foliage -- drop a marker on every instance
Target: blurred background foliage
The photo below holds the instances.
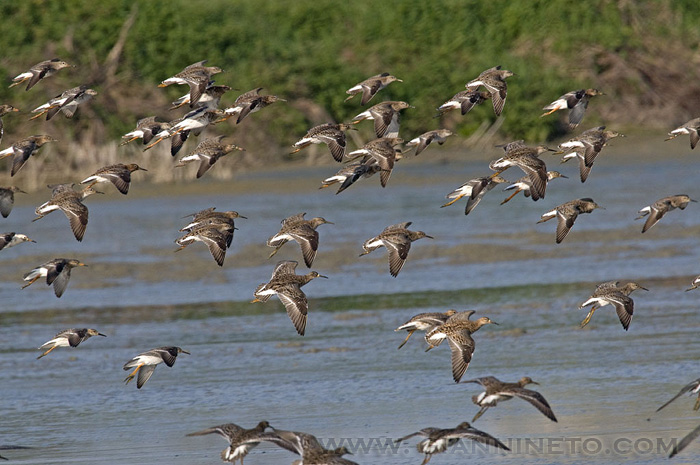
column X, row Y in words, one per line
column 643, row 54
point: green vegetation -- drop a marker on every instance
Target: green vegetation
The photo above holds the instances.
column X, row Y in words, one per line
column 636, row 52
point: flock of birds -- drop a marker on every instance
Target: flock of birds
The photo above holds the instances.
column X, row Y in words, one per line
column 216, row 229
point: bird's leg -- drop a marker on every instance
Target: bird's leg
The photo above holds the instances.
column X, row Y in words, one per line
column 132, row 374
column 153, row 144
column 255, row 300
column 514, row 194
column 672, row 136
column 47, row 352
column 589, row 316
column 452, row 201
column 426, row 459
column 39, row 115
column 274, row 252
column 430, row 347
column 697, row 403
column 410, row 333
column 31, row 282
column 496, row 174
column 549, row 112
column 479, row 413
column 181, row 247
column 127, row 141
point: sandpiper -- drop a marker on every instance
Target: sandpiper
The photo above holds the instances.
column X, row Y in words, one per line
column 217, row 237
column 497, row 391
column 576, row 101
column 352, row 172
column 609, row 293
column 69, row 338
column 70, row 202
column 397, row 240
column 458, row 330
column 146, row 129
column 464, row 100
column 210, row 97
column 586, row 147
column 690, row 437
column 197, row 76
column 384, row 152
column 22, row 150
column 694, row 284
column 241, row 440
column 7, row 199
column 195, row 122
column 424, row 322
column 56, row 271
column 424, row 140
column 210, row 216
column 296, row 228
column 146, row 362
column 330, row 134
column 475, row 189
column 370, row 86
column 494, row 79
column 385, row 116
column 11, row 239
column 207, row 153
column 525, row 158
column 119, row 175
column 691, row 127
column 692, row 388
column 309, row 448
column 662, row 206
column 286, row 285
column 523, row 185
column 67, row 102
column 248, row 103
column 40, row 71
column 5, row 109
column 438, row 440
column 567, row 213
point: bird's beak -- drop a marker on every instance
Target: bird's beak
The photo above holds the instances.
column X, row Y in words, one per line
column 81, row 264
column 565, row 177
column 643, row 288
column 693, row 200
column 185, row 352
column 429, row 237
column 142, row 169
column 399, row 80
column 100, row 334
column 244, row 217
column 321, row 276
column 494, row 323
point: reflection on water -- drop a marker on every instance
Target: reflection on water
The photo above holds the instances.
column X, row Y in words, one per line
column 345, row 380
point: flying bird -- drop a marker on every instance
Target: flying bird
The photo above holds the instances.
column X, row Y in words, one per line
column 40, row 71
column 68, row 338
column 438, row 440
column 370, row 86
column 658, row 209
column 56, row 272
column 498, row 391
column 567, row 213
column 286, row 285
column 397, row 239
column 576, row 102
column 145, row 364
